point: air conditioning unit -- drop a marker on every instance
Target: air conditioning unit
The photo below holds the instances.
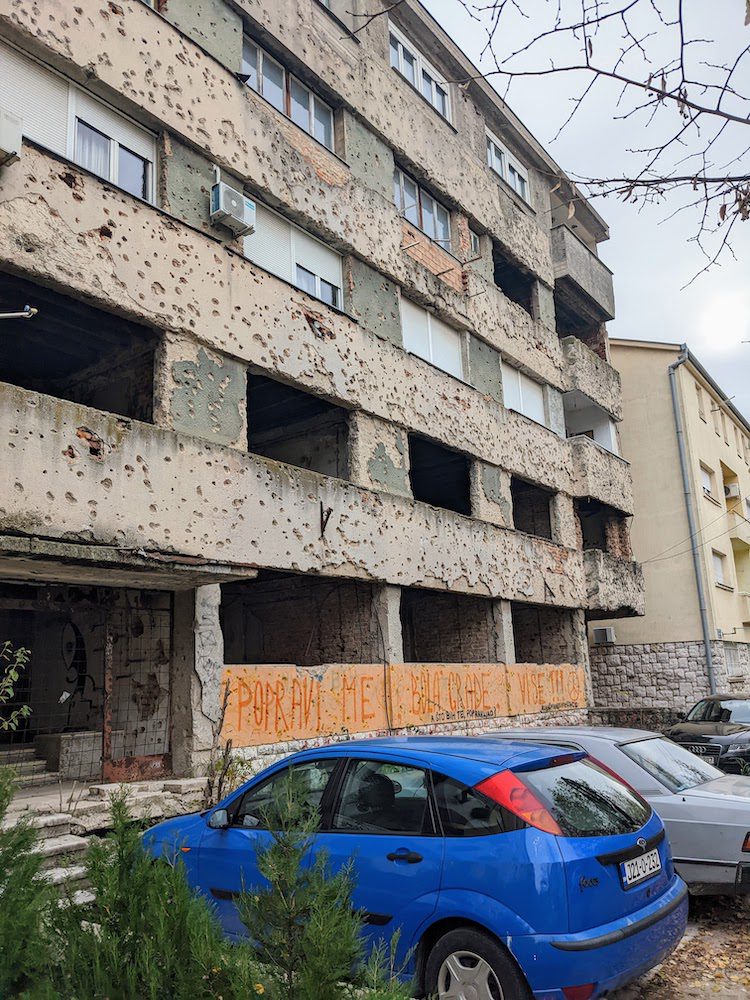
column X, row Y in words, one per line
column 10, row 137
column 732, row 491
column 603, row 636
column 232, row 209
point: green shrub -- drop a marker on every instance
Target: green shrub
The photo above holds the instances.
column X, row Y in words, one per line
column 306, row 933
column 147, row 936
column 25, row 904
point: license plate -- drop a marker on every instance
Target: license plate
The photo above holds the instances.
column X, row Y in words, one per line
column 639, row 869
column 710, row 760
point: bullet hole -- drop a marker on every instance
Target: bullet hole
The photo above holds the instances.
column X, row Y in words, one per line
column 94, row 442
column 105, row 232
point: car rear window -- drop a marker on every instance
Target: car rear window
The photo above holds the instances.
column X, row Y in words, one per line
column 586, row 801
column 670, row 764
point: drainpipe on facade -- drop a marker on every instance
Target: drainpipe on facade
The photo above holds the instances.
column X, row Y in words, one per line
column 692, row 526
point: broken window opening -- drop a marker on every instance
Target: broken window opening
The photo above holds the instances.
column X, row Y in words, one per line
column 531, row 508
column 448, row 628
column 439, row 476
column 583, row 325
column 74, row 351
column 304, row 620
column 543, row 634
column 512, row 280
column 603, row 528
column 296, row 427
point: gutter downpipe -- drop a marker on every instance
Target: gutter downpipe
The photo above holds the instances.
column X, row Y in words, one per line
column 680, row 428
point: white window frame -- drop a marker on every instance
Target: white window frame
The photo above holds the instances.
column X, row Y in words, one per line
column 423, row 196
column 510, row 168
column 431, row 353
column 720, row 564
column 506, row 369
column 289, row 78
column 475, row 246
column 732, row 659
column 422, row 67
column 294, row 262
column 708, row 481
column 77, row 111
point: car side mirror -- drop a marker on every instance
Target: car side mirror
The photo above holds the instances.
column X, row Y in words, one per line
column 219, row 819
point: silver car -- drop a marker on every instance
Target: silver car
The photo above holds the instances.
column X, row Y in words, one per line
column 706, row 812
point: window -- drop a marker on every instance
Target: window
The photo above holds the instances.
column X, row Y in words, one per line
column 428, row 337
column 421, row 209
column 65, row 119
column 308, row 781
column 505, row 165
column 720, row 568
column 292, row 254
column 439, row 476
column 699, row 395
column 738, row 441
column 738, row 711
column 381, row 797
column 531, row 508
column 724, row 431
column 707, row 481
column 516, row 283
column 465, row 812
column 286, row 93
column 671, row 765
column 412, row 65
column 474, row 244
column 523, row 394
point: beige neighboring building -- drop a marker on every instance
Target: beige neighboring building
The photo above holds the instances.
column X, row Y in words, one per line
column 660, row 659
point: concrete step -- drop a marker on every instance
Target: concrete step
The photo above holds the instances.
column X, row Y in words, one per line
column 47, row 825
column 54, row 849
column 71, row 875
column 15, row 755
column 24, row 768
column 39, row 778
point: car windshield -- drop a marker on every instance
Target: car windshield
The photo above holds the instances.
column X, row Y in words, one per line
column 729, row 710
column 670, row 764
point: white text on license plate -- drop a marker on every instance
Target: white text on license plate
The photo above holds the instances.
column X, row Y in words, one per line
column 639, row 869
column 710, row 760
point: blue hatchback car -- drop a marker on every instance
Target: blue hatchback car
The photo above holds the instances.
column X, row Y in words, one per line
column 510, row 870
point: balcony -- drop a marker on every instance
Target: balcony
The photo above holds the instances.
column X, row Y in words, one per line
column 600, row 474
column 592, row 376
column 86, row 479
column 739, row 526
column 582, row 282
column 614, row 587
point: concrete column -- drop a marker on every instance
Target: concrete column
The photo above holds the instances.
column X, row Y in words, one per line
column 378, row 455
column 503, row 623
column 544, row 305
column 198, row 662
column 200, row 392
column 373, row 300
column 387, row 609
column 565, row 530
column 490, row 494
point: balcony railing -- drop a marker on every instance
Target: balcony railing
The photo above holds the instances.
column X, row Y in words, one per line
column 593, row 376
column 614, row 587
column 600, row 474
column 584, row 281
column 739, row 526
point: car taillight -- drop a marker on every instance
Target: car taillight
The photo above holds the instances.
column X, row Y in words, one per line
column 746, row 845
column 579, row 992
column 509, row 791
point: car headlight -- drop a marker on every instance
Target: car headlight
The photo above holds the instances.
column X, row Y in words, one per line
column 738, row 748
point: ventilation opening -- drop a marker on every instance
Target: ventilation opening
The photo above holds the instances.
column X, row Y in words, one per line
column 304, row 620
column 76, row 352
column 439, row 476
column 542, row 634
column 296, row 427
column 531, row 508
column 448, row 628
column 604, row 528
column 515, row 283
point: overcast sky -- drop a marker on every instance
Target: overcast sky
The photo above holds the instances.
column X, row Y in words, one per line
column 651, row 256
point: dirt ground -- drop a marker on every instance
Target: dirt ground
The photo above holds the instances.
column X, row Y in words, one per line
column 713, row 959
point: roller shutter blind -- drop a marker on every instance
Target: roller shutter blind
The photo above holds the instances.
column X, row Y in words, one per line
column 316, row 257
column 270, row 246
column 113, row 125
column 38, row 97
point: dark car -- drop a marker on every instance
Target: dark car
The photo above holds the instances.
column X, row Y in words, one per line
column 717, row 729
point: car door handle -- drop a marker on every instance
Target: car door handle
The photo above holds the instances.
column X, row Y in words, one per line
column 410, row 857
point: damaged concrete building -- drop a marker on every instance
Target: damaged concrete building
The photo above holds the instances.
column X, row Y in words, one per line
column 304, row 387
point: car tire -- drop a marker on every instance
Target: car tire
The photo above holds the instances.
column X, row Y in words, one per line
column 478, row 961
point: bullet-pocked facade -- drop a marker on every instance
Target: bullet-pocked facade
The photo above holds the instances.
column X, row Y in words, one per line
column 356, row 465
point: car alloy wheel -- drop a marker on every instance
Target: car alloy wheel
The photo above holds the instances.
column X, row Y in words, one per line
column 466, row 976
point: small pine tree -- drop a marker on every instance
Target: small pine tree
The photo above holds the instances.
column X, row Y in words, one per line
column 25, row 904
column 147, row 935
column 306, row 932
